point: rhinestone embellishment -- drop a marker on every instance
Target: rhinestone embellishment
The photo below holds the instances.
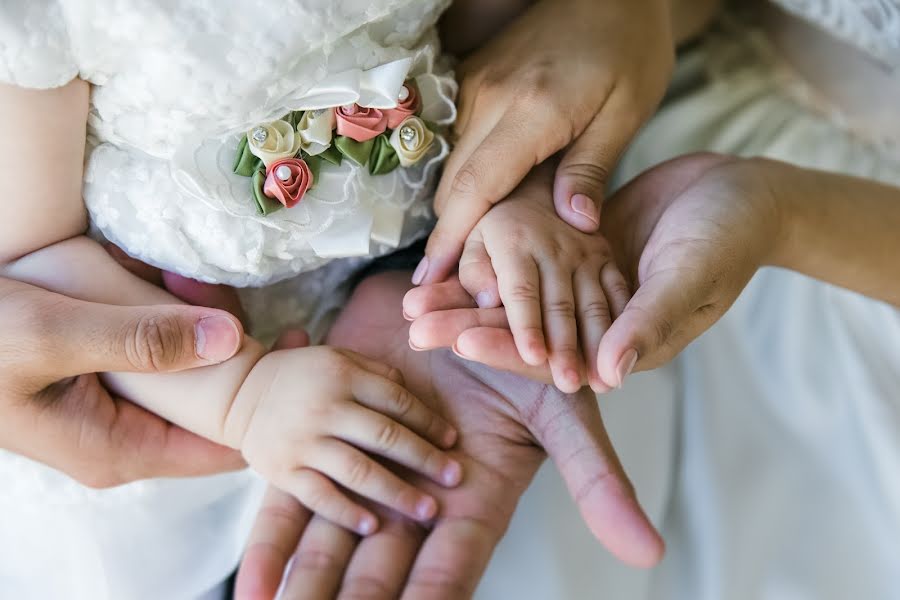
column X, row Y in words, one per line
column 408, row 134
column 283, row 173
column 260, row 135
column 404, row 94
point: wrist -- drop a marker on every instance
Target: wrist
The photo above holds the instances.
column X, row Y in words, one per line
column 783, row 198
column 252, row 374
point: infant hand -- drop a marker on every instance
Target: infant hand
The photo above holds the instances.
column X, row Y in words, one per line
column 313, row 414
column 559, row 285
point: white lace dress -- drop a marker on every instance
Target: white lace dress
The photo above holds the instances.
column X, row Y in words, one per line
column 769, row 452
column 175, row 88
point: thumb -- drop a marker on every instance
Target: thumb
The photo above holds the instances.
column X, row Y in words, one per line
column 572, row 432
column 661, row 318
column 84, row 337
column 584, row 171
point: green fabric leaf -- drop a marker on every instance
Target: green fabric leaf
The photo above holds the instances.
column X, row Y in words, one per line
column 264, row 204
column 358, row 152
column 315, row 166
column 384, row 158
column 245, row 164
column 293, row 117
column 332, row 155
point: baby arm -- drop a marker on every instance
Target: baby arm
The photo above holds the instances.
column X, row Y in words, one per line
column 300, row 417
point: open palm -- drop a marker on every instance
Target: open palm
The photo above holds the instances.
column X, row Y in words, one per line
column 505, row 423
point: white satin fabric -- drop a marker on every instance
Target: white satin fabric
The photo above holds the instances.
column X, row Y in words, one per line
column 174, row 85
column 768, row 452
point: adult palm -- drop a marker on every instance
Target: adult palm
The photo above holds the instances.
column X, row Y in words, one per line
column 506, row 423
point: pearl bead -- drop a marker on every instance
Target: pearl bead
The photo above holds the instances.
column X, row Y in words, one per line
column 283, row 173
column 260, row 135
column 408, row 134
column 404, row 94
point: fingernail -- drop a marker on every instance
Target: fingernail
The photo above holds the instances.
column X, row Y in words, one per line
column 420, row 272
column 456, row 351
column 216, row 338
column 450, row 437
column 585, row 207
column 426, row 507
column 572, row 376
column 406, row 316
column 484, row 299
column 366, row 526
column 626, row 365
column 452, row 473
column 414, row 347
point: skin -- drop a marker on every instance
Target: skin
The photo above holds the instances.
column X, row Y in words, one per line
column 55, row 409
column 560, row 287
column 689, row 235
column 506, row 425
column 577, row 76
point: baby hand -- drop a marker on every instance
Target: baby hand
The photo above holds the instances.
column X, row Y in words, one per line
column 306, row 419
column 559, row 285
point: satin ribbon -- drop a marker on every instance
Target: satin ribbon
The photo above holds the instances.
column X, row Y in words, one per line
column 378, row 87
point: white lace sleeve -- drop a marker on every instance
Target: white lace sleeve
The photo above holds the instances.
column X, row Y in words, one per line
column 34, row 44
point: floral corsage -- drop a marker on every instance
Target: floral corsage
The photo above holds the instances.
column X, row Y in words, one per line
column 284, row 157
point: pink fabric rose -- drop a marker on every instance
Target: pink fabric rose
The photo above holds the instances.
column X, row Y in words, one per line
column 287, row 181
column 359, row 123
column 408, row 104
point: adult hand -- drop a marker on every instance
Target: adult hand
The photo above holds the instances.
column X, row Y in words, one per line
column 505, row 423
column 579, row 75
column 688, row 234
column 54, row 408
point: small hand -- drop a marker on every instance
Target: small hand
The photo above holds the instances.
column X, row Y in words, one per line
column 573, row 75
column 307, row 420
column 560, row 287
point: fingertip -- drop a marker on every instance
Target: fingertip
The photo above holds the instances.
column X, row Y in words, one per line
column 426, row 508
column 451, row 475
column 217, row 337
column 367, row 525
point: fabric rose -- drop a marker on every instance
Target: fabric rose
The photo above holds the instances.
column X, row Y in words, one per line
column 316, row 130
column 273, row 141
column 409, row 103
column 287, row 181
column 411, row 140
column 359, row 123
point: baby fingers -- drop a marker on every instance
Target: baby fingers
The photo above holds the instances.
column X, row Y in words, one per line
column 558, row 305
column 363, row 475
column 320, row 495
column 378, row 434
column 594, row 319
column 388, row 397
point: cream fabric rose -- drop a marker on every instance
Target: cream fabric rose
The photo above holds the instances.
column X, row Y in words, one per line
column 316, row 129
column 273, row 141
column 411, row 140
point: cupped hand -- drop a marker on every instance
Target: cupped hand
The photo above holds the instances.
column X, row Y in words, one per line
column 54, row 408
column 505, row 425
column 689, row 234
column 575, row 75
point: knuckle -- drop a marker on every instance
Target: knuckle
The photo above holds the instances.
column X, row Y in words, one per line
column 596, row 310
column 563, row 309
column 402, row 401
column 465, row 181
column 522, row 292
column 359, row 470
column 589, row 172
column 388, row 435
column 154, row 343
column 395, row 375
column 316, row 559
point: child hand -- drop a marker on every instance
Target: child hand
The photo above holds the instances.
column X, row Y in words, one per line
column 559, row 285
column 306, row 419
